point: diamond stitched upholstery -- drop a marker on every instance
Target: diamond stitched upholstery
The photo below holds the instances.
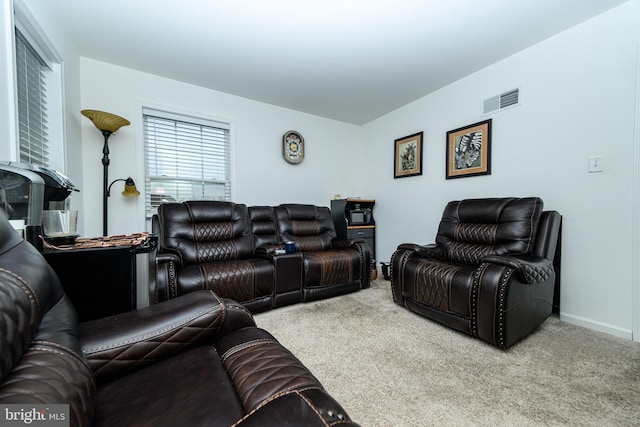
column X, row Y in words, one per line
column 505, row 226
column 262, row 368
column 51, row 374
column 432, row 283
column 233, row 279
column 40, row 353
column 214, row 242
column 336, row 266
column 535, row 274
column 476, row 233
column 490, row 273
column 143, row 344
column 42, row 360
column 467, row 253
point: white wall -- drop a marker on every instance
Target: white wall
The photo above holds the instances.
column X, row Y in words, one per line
column 578, row 100
column 49, row 28
column 332, row 152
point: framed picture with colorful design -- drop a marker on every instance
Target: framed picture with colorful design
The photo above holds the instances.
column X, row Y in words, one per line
column 469, row 151
column 408, row 156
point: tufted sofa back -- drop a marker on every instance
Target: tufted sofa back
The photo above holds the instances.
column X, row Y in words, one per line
column 263, row 226
column 39, row 346
column 309, row 226
column 473, row 228
column 204, row 231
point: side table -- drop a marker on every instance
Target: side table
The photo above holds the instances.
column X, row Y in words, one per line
column 103, row 281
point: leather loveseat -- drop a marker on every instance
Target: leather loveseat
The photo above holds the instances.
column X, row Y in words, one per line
column 490, row 273
column 232, row 249
column 195, row 360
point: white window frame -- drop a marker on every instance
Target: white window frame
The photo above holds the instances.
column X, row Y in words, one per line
column 53, row 81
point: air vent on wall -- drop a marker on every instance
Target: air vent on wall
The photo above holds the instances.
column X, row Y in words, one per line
column 510, row 98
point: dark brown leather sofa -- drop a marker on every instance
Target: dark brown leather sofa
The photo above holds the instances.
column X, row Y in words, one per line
column 490, row 273
column 195, row 360
column 231, row 249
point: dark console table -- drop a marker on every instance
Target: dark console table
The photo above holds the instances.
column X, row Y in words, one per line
column 346, row 228
column 103, row 280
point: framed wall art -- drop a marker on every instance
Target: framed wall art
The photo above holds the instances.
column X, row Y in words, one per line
column 407, row 159
column 469, row 150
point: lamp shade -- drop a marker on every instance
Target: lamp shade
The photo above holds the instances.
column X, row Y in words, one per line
column 130, row 189
column 105, row 122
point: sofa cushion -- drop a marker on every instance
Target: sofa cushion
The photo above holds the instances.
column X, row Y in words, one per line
column 241, row 280
column 331, row 267
column 473, row 228
column 263, row 226
column 309, row 226
column 169, row 394
column 441, row 285
column 205, row 231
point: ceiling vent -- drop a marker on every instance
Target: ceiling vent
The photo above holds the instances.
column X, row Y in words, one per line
column 510, row 98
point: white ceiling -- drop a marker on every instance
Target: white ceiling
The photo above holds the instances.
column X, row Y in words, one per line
column 348, row 60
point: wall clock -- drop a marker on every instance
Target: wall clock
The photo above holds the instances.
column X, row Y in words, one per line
column 293, row 147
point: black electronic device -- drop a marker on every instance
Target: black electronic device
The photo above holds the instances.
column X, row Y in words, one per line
column 27, row 190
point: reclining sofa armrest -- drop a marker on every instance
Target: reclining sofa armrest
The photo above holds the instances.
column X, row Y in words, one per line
column 167, row 257
column 345, row 243
column 399, row 258
column 119, row 344
column 167, row 265
column 366, row 256
column 530, row 268
column 269, row 249
column 274, row 387
column 433, row 251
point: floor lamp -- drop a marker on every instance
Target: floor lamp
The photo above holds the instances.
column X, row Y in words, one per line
column 108, row 123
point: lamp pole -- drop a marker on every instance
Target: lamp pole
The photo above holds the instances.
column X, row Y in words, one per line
column 107, row 124
column 105, row 179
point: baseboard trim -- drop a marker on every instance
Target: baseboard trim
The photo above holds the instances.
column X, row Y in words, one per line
column 597, row 326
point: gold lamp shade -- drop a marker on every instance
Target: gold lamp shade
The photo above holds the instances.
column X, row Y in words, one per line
column 105, row 122
column 130, row 189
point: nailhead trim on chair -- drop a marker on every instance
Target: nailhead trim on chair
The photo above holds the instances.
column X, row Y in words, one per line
column 502, row 289
column 500, row 306
column 474, row 299
column 172, row 280
column 405, row 256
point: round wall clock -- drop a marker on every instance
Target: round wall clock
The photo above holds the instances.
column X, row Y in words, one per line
column 293, row 147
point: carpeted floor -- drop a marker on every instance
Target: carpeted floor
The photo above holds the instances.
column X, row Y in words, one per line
column 389, row 367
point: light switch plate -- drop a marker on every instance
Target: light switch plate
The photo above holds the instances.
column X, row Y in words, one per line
column 596, row 164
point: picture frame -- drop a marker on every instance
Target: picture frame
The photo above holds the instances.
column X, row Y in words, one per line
column 469, row 151
column 407, row 158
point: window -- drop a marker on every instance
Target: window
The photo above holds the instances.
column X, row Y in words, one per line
column 39, row 97
column 32, row 104
column 186, row 158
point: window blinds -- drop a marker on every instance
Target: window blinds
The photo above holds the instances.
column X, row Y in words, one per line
column 186, row 158
column 32, row 104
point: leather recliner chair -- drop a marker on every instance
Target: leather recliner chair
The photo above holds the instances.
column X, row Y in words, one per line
column 490, row 273
column 195, row 360
column 331, row 266
column 209, row 245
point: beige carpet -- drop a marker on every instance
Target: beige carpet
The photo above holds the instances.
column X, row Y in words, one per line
column 389, row 367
